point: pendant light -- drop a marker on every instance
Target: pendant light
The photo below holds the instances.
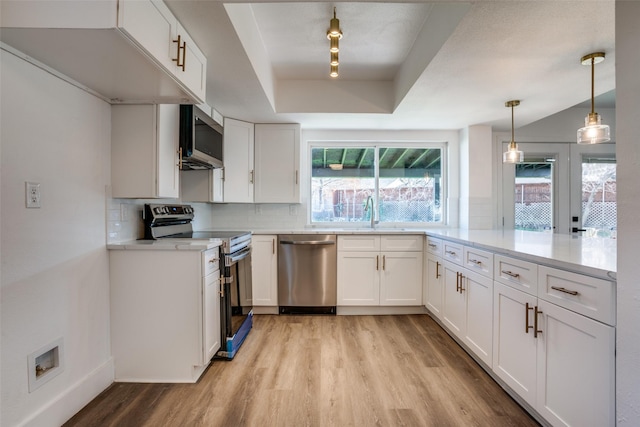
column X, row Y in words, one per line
column 334, row 34
column 512, row 155
column 593, row 132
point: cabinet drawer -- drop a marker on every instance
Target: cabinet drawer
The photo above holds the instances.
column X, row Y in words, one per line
column 519, row 274
column 359, row 242
column 594, row 298
column 210, row 261
column 401, row 242
column 478, row 260
column 434, row 246
column 452, row 252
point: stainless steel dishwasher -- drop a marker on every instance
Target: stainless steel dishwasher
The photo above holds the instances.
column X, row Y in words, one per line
column 307, row 278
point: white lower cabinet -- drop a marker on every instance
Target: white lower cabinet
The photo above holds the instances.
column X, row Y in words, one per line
column 548, row 334
column 165, row 321
column 380, row 270
column 434, row 285
column 560, row 362
column 264, row 265
column 467, row 308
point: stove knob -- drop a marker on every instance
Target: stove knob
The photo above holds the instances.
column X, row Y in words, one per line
column 157, row 210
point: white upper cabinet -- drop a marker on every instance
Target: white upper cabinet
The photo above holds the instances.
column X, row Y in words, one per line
column 277, row 163
column 144, row 151
column 124, row 50
column 239, row 174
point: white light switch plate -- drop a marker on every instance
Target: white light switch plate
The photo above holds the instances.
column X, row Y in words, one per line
column 32, row 190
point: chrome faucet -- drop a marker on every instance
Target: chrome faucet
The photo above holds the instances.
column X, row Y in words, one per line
column 369, row 205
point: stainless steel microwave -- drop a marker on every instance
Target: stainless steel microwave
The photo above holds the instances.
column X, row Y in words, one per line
column 200, row 139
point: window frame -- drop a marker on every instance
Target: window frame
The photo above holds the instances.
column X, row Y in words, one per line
column 377, row 144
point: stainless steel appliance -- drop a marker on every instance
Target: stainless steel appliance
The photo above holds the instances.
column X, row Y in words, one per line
column 163, row 221
column 200, row 139
column 307, row 274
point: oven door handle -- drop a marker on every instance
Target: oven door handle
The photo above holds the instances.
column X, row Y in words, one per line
column 231, row 259
column 307, row 242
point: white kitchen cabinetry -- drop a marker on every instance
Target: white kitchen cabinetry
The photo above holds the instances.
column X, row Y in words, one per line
column 467, row 308
column 380, row 270
column 144, row 151
column 125, row 50
column 239, row 171
column 434, row 282
column 277, row 163
column 560, row 362
column 264, row 263
column 165, row 313
column 204, row 186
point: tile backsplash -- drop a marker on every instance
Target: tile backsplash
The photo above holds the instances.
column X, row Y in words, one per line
column 124, row 217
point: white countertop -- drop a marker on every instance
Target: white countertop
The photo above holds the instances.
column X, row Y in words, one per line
column 167, row 245
column 594, row 256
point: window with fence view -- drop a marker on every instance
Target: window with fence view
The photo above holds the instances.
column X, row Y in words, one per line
column 396, row 185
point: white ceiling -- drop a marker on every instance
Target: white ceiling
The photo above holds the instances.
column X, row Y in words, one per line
column 420, row 65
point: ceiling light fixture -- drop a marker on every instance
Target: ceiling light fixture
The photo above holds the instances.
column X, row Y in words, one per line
column 334, row 33
column 593, row 132
column 512, row 155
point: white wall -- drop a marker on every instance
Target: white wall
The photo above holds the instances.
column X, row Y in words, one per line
column 55, row 276
column 628, row 160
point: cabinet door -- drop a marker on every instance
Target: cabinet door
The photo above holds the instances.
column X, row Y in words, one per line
column 152, row 27
column 454, row 310
column 359, row 278
column 264, row 268
column 277, row 163
column 238, row 161
column 434, row 279
column 514, row 346
column 168, row 162
column 211, row 318
column 479, row 329
column 576, row 369
column 201, row 185
column 194, row 73
column 144, row 151
column 401, row 278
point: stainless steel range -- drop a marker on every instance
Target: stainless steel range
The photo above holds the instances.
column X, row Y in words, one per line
column 163, row 221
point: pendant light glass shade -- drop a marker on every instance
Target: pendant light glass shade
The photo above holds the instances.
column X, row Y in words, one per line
column 512, row 155
column 334, row 71
column 593, row 132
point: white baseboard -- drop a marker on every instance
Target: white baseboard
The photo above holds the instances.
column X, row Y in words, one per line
column 67, row 404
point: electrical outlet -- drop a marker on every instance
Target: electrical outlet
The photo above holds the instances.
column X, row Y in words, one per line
column 258, row 209
column 32, row 190
column 293, row 210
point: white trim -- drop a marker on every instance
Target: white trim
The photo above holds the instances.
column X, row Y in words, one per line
column 65, row 405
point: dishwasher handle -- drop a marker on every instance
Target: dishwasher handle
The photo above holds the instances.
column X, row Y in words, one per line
column 307, row 242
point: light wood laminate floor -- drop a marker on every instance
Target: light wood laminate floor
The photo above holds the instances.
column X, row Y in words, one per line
column 323, row 371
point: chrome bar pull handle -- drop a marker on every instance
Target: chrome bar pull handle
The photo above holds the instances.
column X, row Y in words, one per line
column 296, row 180
column 475, row 261
column 273, row 246
column 437, row 270
column 526, row 318
column 457, row 281
column 384, row 262
column 377, row 262
column 536, row 331
column 461, row 282
column 564, row 290
column 453, row 253
column 251, row 176
column 433, row 245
